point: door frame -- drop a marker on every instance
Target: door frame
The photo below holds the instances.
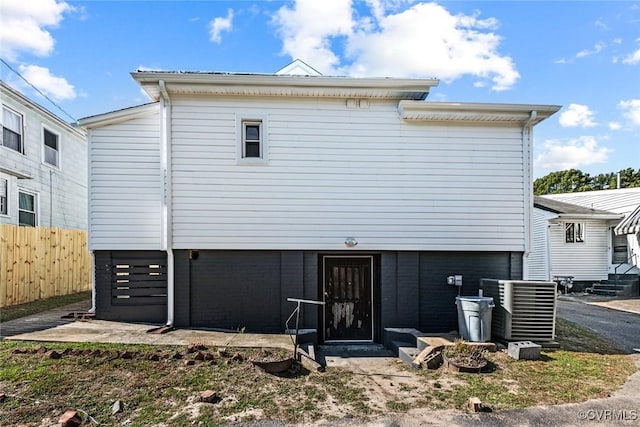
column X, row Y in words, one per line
column 374, row 307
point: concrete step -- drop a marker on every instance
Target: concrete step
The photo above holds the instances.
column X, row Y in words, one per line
column 408, row 354
column 397, row 345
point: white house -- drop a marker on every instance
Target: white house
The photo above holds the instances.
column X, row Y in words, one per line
column 43, row 166
column 591, row 237
column 624, row 247
column 570, row 241
column 237, row 191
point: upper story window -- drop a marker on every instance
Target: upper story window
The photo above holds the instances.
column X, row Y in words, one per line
column 252, row 134
column 3, row 196
column 12, row 129
column 574, row 232
column 27, row 214
column 51, row 148
column 252, row 139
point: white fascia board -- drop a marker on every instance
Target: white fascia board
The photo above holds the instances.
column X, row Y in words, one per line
column 283, row 85
column 590, row 216
column 474, row 112
column 100, row 120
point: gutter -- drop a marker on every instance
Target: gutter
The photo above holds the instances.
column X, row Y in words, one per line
column 165, row 169
column 527, row 139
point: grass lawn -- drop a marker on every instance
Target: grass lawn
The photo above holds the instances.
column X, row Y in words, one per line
column 159, row 385
column 21, row 310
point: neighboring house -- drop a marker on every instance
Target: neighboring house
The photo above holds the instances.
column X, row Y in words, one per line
column 623, row 245
column 232, row 192
column 43, row 166
column 570, row 240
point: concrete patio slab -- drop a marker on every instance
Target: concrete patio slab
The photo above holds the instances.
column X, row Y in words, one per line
column 102, row 331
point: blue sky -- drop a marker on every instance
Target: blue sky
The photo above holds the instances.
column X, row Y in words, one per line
column 584, row 56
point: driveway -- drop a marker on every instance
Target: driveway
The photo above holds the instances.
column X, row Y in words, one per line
column 623, row 327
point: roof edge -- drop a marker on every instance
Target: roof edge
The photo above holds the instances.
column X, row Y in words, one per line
column 117, row 116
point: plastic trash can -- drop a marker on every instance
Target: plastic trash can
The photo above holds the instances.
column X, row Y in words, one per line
column 474, row 318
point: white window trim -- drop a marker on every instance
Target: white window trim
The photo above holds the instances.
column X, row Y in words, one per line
column 22, row 131
column 574, row 242
column 264, row 143
column 8, row 180
column 48, row 129
column 36, row 200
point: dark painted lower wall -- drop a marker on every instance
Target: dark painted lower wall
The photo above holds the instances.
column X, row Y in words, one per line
column 249, row 289
column 127, row 289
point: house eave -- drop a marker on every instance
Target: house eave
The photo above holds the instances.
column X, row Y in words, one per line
column 22, row 99
column 591, row 216
column 474, row 112
column 228, row 84
column 97, row 121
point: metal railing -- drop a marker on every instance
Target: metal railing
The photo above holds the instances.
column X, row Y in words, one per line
column 629, row 261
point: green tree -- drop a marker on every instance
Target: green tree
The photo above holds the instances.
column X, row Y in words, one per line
column 574, row 180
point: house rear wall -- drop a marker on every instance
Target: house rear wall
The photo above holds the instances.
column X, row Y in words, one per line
column 249, row 289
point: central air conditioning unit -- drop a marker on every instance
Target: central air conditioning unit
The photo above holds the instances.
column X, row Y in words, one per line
column 524, row 310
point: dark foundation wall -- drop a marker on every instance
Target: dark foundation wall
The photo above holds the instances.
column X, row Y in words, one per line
column 242, row 289
column 414, row 290
column 131, row 286
column 438, row 312
column 249, row 289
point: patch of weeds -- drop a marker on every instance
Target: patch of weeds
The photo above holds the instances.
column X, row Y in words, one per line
column 398, row 406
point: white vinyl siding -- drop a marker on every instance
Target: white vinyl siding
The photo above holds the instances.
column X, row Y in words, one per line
column 335, row 172
column 125, row 185
column 539, row 260
column 585, row 261
column 62, row 192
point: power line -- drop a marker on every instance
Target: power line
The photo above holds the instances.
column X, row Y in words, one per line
column 38, row 90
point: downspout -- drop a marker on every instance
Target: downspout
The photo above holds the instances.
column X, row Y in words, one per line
column 165, row 169
column 89, row 244
column 527, row 140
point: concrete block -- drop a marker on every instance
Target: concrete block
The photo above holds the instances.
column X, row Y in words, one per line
column 524, row 350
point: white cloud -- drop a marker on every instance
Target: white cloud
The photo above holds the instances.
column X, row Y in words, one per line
column 615, row 126
column 577, row 115
column 631, row 110
column 220, row 25
column 23, row 26
column 574, row 153
column 423, row 40
column 53, row 86
column 597, row 48
column 309, row 27
column 632, row 58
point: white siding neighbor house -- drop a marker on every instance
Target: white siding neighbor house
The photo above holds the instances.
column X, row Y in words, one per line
column 43, row 166
column 237, row 191
column 570, row 241
column 590, row 236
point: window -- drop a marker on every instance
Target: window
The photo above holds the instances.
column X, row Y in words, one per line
column 252, row 139
column 11, row 129
column 3, row 196
column 26, row 209
column 573, row 232
column 51, row 148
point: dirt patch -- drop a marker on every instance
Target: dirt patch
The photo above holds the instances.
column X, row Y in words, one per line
column 163, row 385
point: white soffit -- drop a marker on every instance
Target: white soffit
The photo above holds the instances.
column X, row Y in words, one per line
column 224, row 84
column 474, row 112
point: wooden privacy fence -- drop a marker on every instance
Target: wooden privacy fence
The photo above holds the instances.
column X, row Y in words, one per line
column 42, row 262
